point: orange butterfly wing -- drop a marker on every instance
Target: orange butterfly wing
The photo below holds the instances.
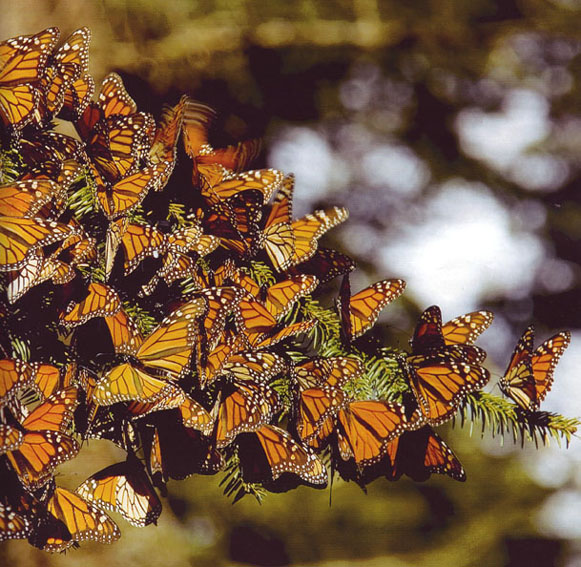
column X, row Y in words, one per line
column 440, row 381
column 126, row 489
column 544, row 360
column 84, row 520
column 366, row 305
column 364, row 429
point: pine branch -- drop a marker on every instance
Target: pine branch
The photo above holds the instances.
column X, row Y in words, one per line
column 501, row 417
column 325, row 335
column 383, row 378
column 10, row 165
column 144, row 320
column 83, row 201
column 177, row 211
column 261, row 273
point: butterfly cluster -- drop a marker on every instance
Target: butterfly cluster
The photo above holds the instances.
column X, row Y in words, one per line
column 182, row 320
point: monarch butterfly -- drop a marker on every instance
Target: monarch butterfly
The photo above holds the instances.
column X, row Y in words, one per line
column 253, row 317
column 258, row 366
column 278, row 299
column 77, row 97
column 466, row 328
column 44, row 152
column 56, row 165
column 127, row 193
column 124, row 488
column 124, row 333
column 20, row 236
column 77, row 249
column 166, row 350
column 210, row 364
column 222, row 184
column 365, row 428
column 115, row 134
column 83, row 520
column 360, row 311
column 45, row 445
column 194, row 415
column 440, row 381
column 173, row 397
column 22, row 60
column 236, row 157
column 115, row 232
column 278, row 238
column 47, row 378
column 335, row 371
column 418, row 454
column 63, row 68
column 139, row 241
column 101, row 301
column 271, row 456
column 321, row 393
column 177, row 264
column 529, row 375
column 236, row 221
column 28, row 197
column 14, row 376
column 326, row 264
column 263, row 340
column 114, row 98
column 228, row 358
column 220, row 302
column 198, row 119
column 22, row 280
column 308, row 229
column 431, row 335
column 245, row 405
column 164, row 145
column 39, row 269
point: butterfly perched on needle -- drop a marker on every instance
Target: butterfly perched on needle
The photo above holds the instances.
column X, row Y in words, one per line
column 83, row 520
column 65, row 66
column 360, row 311
column 124, row 488
column 418, row 454
column 530, row 372
column 431, row 335
column 21, row 236
column 320, row 395
column 271, row 456
column 101, row 301
column 442, row 373
column 154, row 361
column 45, row 444
column 22, row 62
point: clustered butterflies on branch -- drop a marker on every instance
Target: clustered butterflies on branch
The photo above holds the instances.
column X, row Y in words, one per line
column 185, row 323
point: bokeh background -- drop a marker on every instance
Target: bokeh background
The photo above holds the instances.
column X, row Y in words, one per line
column 451, row 130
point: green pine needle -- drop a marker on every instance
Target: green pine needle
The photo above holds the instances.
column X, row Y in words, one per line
column 501, row 417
